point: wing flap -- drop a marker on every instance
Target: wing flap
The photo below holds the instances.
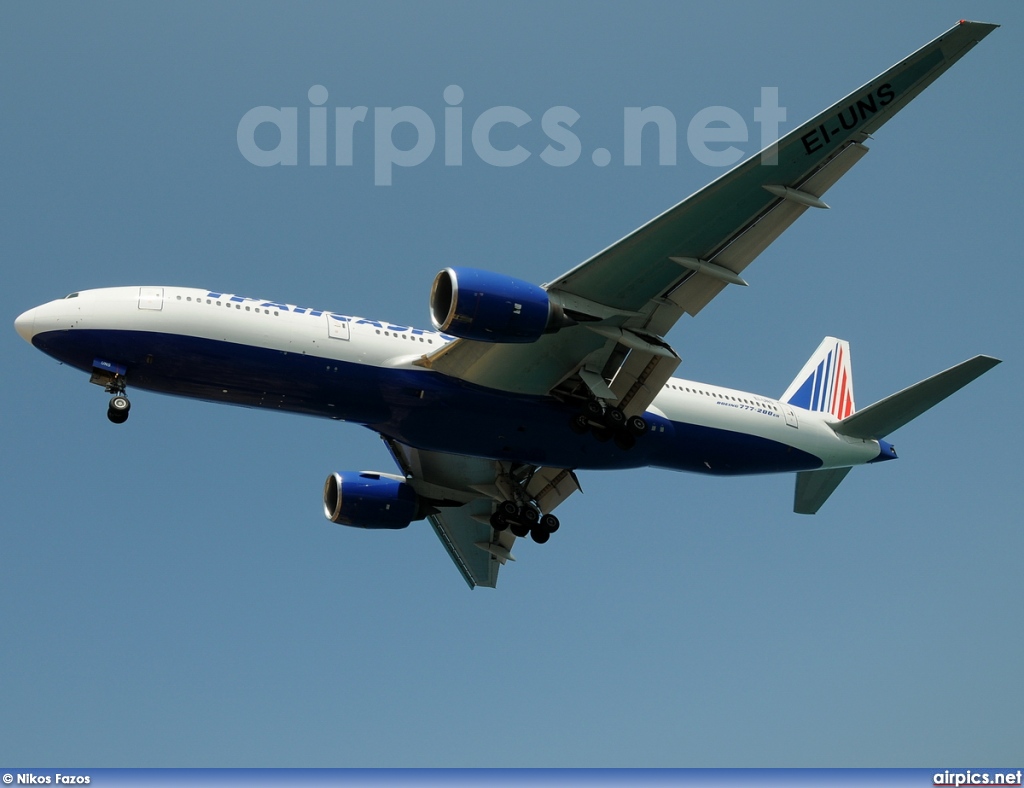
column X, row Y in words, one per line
column 640, row 378
column 550, row 486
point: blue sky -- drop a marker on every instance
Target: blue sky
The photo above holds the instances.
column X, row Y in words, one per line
column 171, row 594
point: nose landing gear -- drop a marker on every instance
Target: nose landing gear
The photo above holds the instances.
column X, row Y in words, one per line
column 112, row 377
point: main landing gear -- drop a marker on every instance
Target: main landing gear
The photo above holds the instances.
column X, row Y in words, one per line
column 607, row 423
column 523, row 520
column 524, row 497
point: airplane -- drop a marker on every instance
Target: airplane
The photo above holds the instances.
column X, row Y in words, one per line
column 490, row 415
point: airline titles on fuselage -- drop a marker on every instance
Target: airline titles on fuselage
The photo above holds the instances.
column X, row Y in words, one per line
column 299, row 310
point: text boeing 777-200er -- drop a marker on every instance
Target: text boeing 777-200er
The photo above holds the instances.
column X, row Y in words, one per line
column 489, row 420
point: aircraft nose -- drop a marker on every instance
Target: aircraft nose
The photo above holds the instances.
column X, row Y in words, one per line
column 25, row 324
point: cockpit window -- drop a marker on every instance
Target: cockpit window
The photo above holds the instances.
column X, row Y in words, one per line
column 72, row 295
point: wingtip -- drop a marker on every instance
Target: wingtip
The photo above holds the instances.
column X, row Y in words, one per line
column 988, row 27
column 987, row 361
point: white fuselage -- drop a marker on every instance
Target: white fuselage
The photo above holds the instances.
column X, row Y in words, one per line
column 179, row 338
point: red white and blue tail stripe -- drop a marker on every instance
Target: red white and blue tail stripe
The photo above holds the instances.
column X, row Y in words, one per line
column 825, row 384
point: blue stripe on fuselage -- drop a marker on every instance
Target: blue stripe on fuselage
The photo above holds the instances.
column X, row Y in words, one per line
column 424, row 409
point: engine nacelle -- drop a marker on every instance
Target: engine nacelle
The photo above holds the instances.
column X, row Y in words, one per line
column 488, row 307
column 369, row 499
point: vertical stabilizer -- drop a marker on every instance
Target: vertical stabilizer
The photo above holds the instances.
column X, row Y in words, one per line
column 825, row 384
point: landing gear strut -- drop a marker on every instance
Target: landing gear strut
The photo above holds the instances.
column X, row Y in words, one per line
column 112, row 377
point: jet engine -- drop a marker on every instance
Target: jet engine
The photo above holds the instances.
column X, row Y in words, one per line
column 368, row 499
column 488, row 307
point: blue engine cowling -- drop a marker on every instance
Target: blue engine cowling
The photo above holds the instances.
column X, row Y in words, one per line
column 369, row 499
column 474, row 304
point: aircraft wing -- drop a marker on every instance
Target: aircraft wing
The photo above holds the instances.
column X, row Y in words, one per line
column 628, row 296
column 465, row 490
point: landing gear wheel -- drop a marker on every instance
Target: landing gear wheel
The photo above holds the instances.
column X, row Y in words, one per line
column 636, row 425
column 579, row 424
column 616, row 418
column 539, row 535
column 118, row 409
column 529, row 515
column 508, row 510
column 549, row 523
column 593, row 409
column 498, row 522
column 519, row 529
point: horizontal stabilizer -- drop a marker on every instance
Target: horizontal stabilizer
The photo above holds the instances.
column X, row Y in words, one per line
column 814, row 487
column 878, row 420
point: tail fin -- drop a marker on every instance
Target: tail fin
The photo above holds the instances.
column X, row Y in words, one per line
column 825, row 384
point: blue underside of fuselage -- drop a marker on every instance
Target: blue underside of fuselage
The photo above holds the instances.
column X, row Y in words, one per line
column 417, row 407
